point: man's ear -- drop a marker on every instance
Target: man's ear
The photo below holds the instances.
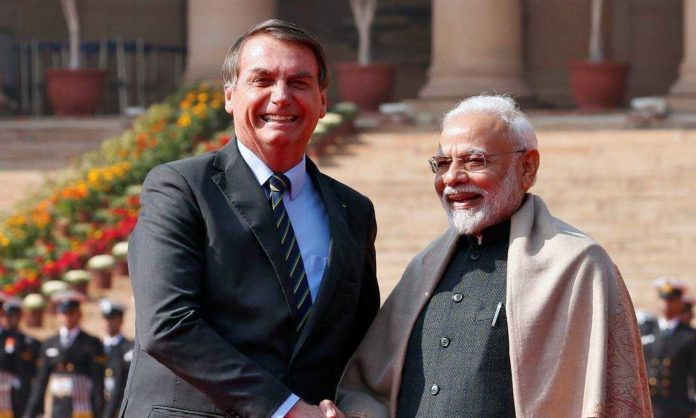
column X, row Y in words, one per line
column 530, row 166
column 322, row 112
column 228, row 97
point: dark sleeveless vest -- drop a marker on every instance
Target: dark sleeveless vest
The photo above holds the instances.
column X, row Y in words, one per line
column 458, row 362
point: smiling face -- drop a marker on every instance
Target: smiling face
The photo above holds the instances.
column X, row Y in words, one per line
column 474, row 201
column 276, row 100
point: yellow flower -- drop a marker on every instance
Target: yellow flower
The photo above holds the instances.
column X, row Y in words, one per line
column 203, row 97
column 199, row 110
column 215, row 103
column 184, row 105
column 184, row 120
column 41, row 218
column 4, row 241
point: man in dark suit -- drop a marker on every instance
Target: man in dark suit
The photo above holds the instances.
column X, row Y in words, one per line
column 71, row 367
column 253, row 273
column 119, row 351
column 669, row 345
column 18, row 357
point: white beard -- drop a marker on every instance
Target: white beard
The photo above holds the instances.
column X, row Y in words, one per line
column 497, row 205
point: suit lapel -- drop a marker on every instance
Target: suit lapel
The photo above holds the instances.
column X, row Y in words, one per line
column 246, row 198
column 342, row 245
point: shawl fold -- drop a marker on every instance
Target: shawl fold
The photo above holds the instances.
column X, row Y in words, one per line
column 575, row 349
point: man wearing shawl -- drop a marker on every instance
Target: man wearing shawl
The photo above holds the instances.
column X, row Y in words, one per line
column 511, row 312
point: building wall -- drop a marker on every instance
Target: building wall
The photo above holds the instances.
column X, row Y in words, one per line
column 156, row 21
column 645, row 33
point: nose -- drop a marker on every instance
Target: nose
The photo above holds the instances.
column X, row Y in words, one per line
column 455, row 176
column 280, row 94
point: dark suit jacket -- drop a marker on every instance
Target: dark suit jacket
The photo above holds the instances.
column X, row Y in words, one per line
column 84, row 356
column 214, row 329
column 117, row 364
column 18, row 356
column 671, row 365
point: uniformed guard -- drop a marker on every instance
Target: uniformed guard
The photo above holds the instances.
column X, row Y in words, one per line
column 119, row 352
column 71, row 366
column 18, row 357
column 688, row 312
column 670, row 353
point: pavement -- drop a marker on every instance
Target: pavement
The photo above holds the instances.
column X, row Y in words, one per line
column 632, row 190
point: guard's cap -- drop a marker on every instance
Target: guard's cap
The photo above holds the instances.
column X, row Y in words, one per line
column 12, row 306
column 67, row 300
column 669, row 287
column 111, row 309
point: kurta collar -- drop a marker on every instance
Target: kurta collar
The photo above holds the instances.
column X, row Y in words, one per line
column 493, row 234
column 297, row 174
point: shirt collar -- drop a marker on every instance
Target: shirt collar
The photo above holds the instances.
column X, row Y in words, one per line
column 71, row 334
column 297, row 174
column 670, row 324
column 111, row 341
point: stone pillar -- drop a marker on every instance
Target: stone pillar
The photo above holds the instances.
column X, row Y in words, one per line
column 476, row 47
column 213, row 26
column 683, row 93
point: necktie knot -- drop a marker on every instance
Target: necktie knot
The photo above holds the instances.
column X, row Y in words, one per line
column 278, row 183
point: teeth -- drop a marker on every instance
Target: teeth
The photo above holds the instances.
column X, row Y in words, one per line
column 278, row 118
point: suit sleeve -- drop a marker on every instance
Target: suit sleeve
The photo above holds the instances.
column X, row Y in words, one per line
column 120, row 375
column 36, row 399
column 166, row 261
column 97, row 376
column 369, row 300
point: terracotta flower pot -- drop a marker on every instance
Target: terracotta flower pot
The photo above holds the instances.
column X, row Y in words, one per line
column 52, row 308
column 34, row 318
column 598, row 85
column 121, row 268
column 102, row 279
column 366, row 85
column 80, row 287
column 75, row 92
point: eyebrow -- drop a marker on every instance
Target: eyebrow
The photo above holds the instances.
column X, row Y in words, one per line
column 297, row 75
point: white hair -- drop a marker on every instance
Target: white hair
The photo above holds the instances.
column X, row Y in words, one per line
column 502, row 107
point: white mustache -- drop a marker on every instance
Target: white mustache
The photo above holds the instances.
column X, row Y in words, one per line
column 466, row 188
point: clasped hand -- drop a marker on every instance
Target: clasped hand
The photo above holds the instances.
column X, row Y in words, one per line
column 326, row 409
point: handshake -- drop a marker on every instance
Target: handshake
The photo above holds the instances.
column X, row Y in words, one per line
column 326, row 409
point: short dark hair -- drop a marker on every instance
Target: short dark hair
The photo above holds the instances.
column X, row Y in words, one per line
column 284, row 31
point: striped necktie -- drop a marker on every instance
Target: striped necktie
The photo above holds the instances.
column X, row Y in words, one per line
column 278, row 184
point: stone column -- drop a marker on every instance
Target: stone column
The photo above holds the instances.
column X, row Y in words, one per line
column 213, row 26
column 683, row 93
column 476, row 47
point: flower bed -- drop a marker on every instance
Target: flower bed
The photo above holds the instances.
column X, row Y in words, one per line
column 95, row 204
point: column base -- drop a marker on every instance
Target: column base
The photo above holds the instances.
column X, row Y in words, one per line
column 459, row 87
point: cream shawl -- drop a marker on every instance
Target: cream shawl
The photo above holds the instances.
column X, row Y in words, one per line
column 575, row 349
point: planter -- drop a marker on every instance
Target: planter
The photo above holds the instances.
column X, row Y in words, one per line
column 75, row 92
column 34, row 318
column 366, row 85
column 101, row 279
column 80, row 287
column 121, row 268
column 598, row 85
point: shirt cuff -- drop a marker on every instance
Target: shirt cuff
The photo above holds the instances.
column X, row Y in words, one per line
column 286, row 406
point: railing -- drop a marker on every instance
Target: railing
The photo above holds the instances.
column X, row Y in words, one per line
column 138, row 73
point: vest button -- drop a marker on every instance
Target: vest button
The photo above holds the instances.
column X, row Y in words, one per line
column 444, row 342
column 457, row 297
column 434, row 390
column 475, row 255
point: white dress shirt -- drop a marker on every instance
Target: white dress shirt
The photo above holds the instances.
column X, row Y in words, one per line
column 309, row 221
